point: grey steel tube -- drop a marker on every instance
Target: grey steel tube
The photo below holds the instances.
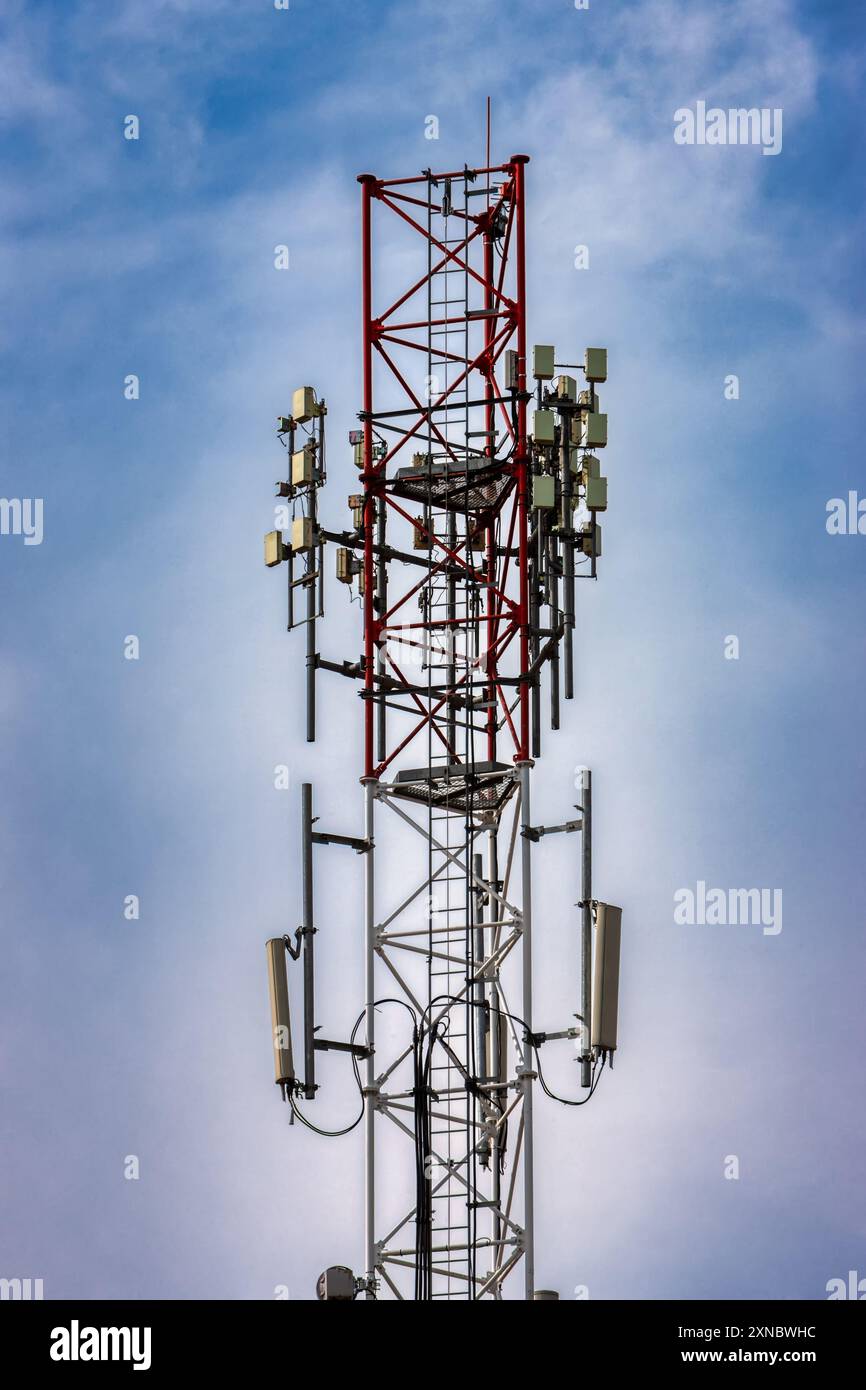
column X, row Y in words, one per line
column 290, row 619
column 527, row 1069
column 568, row 553
column 480, row 1020
column 495, row 1024
column 552, row 566
column 369, row 1038
column 535, row 570
column 308, row 936
column 314, row 554
column 586, row 930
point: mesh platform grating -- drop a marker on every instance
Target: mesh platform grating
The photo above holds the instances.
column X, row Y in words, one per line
column 457, row 788
column 445, row 485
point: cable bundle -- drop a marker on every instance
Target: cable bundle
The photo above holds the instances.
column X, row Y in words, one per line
column 422, row 1055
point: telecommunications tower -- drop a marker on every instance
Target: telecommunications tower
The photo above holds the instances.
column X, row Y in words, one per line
column 476, row 510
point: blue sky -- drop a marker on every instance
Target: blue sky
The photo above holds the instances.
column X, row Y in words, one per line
column 155, row 777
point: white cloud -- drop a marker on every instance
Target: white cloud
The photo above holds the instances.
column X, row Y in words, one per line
column 205, row 725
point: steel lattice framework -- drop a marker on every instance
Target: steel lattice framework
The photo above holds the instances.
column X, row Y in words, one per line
column 460, row 314
column 467, row 586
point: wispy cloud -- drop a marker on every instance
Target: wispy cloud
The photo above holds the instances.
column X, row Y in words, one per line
column 157, row 778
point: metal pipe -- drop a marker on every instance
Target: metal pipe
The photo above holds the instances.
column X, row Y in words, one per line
column 290, row 617
column 478, row 991
column 567, row 523
column 495, row 1024
column 553, row 571
column 370, row 1094
column 450, row 615
column 586, row 930
column 308, row 932
column 535, row 572
column 312, row 596
column 527, row 1075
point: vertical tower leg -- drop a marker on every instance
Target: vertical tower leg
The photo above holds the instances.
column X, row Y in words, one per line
column 496, row 1070
column 521, row 455
column 370, row 1090
column 527, row 1071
